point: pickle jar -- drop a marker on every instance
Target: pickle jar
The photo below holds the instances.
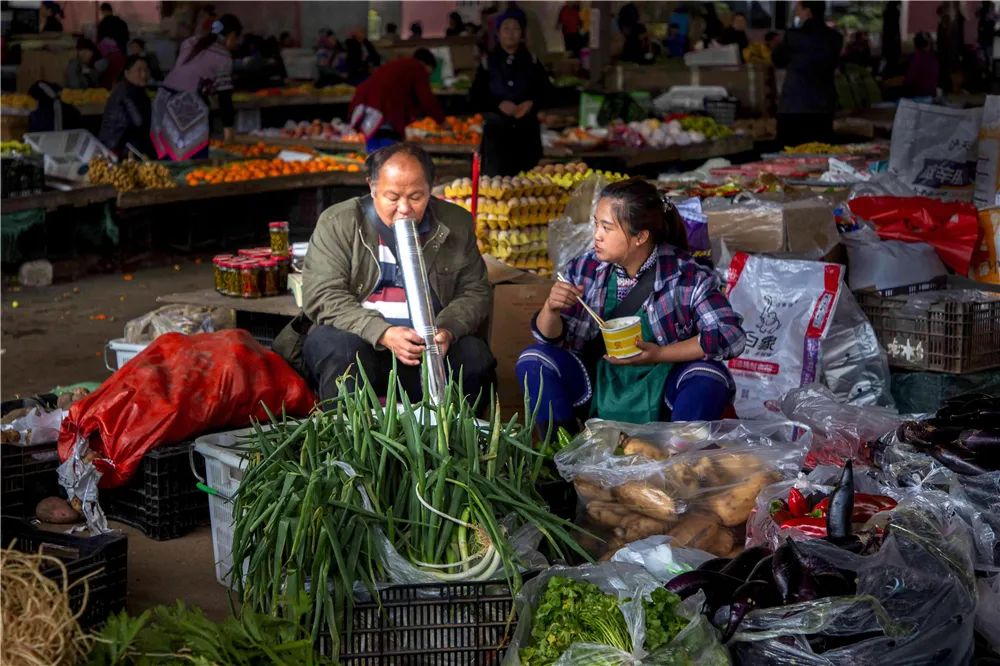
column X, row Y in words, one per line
column 269, row 277
column 250, row 278
column 218, row 271
column 283, row 264
column 279, row 238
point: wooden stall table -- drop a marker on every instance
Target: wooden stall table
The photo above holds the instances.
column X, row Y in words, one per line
column 646, row 159
column 262, row 317
column 460, row 150
column 52, row 199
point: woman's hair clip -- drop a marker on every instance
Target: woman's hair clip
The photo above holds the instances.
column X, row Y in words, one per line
column 217, row 27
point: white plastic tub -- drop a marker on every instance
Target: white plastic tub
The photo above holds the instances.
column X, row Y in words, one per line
column 122, row 352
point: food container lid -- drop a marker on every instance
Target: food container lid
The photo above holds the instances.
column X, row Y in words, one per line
column 278, row 225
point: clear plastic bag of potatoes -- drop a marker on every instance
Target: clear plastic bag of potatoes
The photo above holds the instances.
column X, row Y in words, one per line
column 696, row 482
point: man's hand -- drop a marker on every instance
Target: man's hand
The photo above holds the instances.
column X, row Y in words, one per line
column 562, row 296
column 444, row 338
column 405, row 343
column 523, row 108
column 650, row 355
column 508, row 108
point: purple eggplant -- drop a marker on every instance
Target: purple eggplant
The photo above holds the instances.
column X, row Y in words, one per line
column 785, row 568
column 841, row 508
column 752, row 594
column 763, row 570
column 718, row 587
column 744, row 563
column 955, row 462
column 835, row 585
column 984, row 444
column 829, row 580
column 806, row 588
column 716, row 564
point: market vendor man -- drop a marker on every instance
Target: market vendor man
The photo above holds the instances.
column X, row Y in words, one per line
column 354, row 304
column 639, row 267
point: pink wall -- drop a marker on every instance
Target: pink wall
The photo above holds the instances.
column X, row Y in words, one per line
column 83, row 13
column 433, row 14
column 922, row 17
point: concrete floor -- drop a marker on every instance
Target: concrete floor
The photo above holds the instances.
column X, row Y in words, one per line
column 55, row 336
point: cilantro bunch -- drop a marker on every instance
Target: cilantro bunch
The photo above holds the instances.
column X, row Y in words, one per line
column 573, row 611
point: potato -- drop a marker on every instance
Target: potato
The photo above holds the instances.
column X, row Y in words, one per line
column 733, row 507
column 738, row 466
column 647, row 500
column 633, row 446
column 639, row 527
column 720, row 542
column 10, row 437
column 607, row 514
column 589, row 492
column 612, row 547
column 694, row 527
column 56, row 510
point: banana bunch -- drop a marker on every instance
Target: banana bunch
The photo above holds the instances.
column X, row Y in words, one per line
column 757, row 54
column 14, row 147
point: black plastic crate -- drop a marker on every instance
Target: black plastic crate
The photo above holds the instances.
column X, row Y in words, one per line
column 940, row 335
column 161, row 498
column 263, row 326
column 105, row 555
column 447, row 623
column 28, row 473
column 723, row 110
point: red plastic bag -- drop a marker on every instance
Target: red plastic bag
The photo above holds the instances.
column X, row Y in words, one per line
column 950, row 228
column 178, row 387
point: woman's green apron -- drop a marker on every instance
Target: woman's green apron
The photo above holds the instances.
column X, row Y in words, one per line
column 629, row 393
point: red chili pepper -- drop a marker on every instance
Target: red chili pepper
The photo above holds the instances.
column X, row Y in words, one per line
column 782, row 516
column 866, row 506
column 797, row 503
column 815, row 527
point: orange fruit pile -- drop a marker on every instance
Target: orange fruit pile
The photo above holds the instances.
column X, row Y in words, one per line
column 259, row 149
column 455, row 130
column 236, row 172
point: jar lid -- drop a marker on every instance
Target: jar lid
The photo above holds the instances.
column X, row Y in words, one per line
column 269, row 263
column 255, row 252
column 220, row 258
column 278, row 225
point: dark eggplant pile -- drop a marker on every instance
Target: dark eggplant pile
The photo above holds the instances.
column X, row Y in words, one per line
column 759, row 578
column 964, row 435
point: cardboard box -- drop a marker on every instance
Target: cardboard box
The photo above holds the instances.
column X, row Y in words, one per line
column 517, row 296
column 800, row 226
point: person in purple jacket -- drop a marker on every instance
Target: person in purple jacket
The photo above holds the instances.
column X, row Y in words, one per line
column 639, row 267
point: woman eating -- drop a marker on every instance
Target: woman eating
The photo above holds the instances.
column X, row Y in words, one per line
column 180, row 111
column 510, row 87
column 639, row 267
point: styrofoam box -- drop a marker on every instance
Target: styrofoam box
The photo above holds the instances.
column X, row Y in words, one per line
column 224, row 469
column 67, row 152
column 123, row 352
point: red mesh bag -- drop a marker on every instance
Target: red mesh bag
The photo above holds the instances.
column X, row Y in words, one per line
column 179, row 387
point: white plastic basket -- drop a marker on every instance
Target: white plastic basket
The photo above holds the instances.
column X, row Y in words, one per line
column 224, row 468
column 67, row 152
column 122, row 351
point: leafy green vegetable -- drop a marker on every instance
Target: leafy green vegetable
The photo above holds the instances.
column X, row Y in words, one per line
column 663, row 623
column 182, row 635
column 572, row 611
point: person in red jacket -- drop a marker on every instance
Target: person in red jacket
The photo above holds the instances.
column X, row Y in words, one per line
column 395, row 95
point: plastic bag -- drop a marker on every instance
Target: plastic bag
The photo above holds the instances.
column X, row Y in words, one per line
column 933, row 149
column 659, row 558
column 696, row 229
column 36, row 427
column 787, row 307
column 746, row 224
column 696, row 481
column 568, row 240
column 952, row 229
column 524, row 540
column 840, row 432
column 852, row 362
column 878, row 264
column 186, row 319
column 697, row 643
column 988, row 613
column 987, row 188
column 178, row 387
column 986, row 257
column 914, row 604
column 762, row 530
